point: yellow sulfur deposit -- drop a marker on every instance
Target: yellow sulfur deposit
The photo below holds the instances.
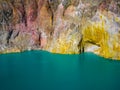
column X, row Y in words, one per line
column 95, row 33
column 66, row 45
column 117, row 19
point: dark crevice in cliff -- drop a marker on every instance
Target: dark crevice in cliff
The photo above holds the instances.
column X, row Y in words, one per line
column 10, row 32
column 24, row 16
column 16, row 35
column 81, row 46
column 39, row 39
column 50, row 9
column 6, row 15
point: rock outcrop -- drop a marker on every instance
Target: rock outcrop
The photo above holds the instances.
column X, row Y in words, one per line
column 61, row 26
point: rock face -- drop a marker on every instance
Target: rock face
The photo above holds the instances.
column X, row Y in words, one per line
column 61, row 26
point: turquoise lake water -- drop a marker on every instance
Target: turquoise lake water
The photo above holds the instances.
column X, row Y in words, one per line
column 39, row 70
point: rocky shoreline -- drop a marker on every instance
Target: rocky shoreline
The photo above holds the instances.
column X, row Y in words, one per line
column 61, row 26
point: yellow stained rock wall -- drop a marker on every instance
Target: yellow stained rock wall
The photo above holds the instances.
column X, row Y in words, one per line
column 96, row 33
column 66, row 44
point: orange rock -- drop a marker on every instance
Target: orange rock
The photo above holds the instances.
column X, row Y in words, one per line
column 70, row 11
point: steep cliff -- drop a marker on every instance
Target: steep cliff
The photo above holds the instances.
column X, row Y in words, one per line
column 61, row 26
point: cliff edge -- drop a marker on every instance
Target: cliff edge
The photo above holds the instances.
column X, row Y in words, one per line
column 61, row 26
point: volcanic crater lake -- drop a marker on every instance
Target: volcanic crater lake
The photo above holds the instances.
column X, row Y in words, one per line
column 40, row 70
